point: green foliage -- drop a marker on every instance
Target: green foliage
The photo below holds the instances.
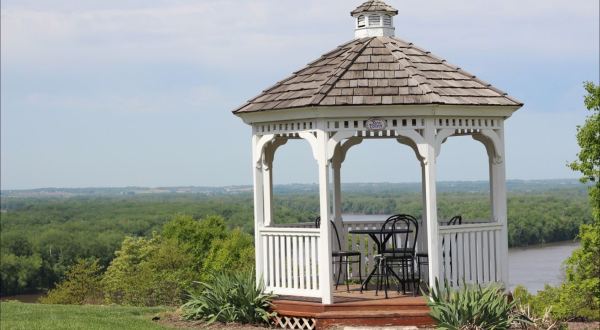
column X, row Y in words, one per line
column 42, row 237
column 588, row 138
column 472, row 307
column 81, row 285
column 19, row 273
column 159, row 270
column 229, row 297
column 20, row 316
column 236, row 251
column 148, row 272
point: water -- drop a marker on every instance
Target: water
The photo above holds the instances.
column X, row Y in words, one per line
column 535, row 266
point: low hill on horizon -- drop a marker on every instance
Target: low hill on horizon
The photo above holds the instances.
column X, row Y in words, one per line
column 292, row 188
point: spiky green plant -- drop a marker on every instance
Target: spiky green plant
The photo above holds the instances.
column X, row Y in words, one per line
column 229, row 297
column 472, row 307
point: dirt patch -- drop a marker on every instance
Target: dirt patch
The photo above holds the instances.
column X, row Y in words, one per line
column 174, row 320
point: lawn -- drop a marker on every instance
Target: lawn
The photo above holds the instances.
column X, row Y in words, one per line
column 17, row 315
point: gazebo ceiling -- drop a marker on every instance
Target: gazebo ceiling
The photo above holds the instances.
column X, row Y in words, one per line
column 377, row 70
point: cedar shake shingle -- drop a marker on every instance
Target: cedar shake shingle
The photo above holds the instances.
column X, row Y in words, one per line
column 377, row 70
column 374, row 5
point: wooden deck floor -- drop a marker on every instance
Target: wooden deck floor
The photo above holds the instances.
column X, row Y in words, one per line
column 358, row 309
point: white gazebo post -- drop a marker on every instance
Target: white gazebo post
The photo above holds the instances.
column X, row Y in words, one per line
column 430, row 207
column 498, row 195
column 325, row 269
column 257, row 170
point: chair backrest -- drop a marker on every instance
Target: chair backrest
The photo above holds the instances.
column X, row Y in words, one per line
column 337, row 235
column 454, row 220
column 408, row 239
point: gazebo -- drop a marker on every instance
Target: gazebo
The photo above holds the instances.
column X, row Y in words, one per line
column 376, row 86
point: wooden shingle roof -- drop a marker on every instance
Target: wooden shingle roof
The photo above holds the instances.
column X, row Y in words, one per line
column 378, row 71
column 374, row 6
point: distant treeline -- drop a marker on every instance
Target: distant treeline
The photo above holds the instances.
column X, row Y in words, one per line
column 42, row 237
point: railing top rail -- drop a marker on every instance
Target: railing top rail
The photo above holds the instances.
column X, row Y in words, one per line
column 305, row 224
column 471, row 227
column 287, row 230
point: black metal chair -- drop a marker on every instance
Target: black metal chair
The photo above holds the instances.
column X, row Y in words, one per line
column 343, row 257
column 456, row 220
column 398, row 250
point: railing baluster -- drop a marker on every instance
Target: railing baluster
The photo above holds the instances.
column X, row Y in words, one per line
column 295, row 265
column 301, row 263
column 486, row 256
column 455, row 263
column 460, row 249
column 288, row 253
column 315, row 261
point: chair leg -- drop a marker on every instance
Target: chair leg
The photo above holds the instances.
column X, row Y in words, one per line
column 347, row 275
column 379, row 274
column 404, row 276
column 387, row 279
column 412, row 272
column 337, row 282
column 360, row 272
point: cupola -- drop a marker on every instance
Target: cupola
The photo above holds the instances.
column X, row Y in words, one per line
column 374, row 18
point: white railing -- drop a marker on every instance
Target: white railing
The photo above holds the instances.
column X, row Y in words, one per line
column 470, row 252
column 290, row 260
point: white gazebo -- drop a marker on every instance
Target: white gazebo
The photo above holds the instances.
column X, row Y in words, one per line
column 376, row 86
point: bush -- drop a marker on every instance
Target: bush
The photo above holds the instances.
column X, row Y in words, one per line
column 472, row 307
column 81, row 285
column 236, row 251
column 149, row 272
column 229, row 297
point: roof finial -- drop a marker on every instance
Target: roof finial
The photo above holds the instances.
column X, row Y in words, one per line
column 374, row 18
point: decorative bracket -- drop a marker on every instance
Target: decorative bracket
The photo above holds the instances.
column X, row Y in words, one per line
column 493, row 144
column 441, row 137
column 414, row 140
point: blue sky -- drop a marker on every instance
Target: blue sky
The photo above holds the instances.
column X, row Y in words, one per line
column 118, row 93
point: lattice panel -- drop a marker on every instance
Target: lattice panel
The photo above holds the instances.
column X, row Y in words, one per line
column 293, row 322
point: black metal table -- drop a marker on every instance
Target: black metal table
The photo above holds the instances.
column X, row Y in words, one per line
column 375, row 235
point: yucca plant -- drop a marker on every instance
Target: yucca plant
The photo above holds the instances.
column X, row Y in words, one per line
column 472, row 308
column 229, row 297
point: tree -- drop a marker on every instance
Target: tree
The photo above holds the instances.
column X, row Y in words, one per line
column 580, row 294
column 81, row 286
column 588, row 138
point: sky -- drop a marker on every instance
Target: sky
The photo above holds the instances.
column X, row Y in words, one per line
column 140, row 92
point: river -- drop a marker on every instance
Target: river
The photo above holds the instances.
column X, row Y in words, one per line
column 538, row 265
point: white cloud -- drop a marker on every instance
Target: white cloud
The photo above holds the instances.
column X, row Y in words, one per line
column 238, row 33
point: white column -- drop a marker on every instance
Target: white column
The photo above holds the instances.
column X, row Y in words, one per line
column 431, row 201
column 499, row 207
column 258, row 206
column 336, row 167
column 422, row 247
column 325, row 274
column 267, row 175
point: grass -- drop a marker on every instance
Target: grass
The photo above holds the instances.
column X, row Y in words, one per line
column 17, row 315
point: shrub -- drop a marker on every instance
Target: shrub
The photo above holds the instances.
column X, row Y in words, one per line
column 81, row 285
column 472, row 307
column 149, row 272
column 236, row 251
column 229, row 297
